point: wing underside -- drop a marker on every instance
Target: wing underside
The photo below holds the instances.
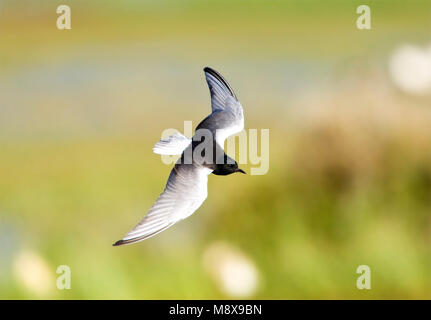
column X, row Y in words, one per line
column 185, row 191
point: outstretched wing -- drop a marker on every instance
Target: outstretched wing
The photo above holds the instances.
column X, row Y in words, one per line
column 227, row 117
column 184, row 193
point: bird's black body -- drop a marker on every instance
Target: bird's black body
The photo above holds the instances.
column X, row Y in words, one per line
column 208, row 153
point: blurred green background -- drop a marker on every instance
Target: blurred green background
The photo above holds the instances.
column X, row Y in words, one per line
column 349, row 180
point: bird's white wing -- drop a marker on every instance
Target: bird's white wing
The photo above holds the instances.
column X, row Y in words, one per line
column 184, row 193
column 227, row 117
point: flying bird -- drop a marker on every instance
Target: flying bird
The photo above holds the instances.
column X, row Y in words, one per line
column 201, row 155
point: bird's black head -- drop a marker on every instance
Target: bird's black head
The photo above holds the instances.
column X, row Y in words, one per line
column 226, row 169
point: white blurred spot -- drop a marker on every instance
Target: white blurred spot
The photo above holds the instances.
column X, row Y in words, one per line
column 33, row 273
column 234, row 273
column 410, row 69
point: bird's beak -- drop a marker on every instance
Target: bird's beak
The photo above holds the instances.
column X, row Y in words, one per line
column 240, row 170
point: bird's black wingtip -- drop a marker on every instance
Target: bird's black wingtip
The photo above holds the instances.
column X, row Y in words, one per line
column 214, row 73
column 119, row 243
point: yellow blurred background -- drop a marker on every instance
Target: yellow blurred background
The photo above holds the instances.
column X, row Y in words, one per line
column 349, row 180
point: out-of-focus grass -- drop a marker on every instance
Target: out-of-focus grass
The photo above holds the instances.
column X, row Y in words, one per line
column 350, row 175
column 331, row 202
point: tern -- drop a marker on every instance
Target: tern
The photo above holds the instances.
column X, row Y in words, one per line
column 187, row 185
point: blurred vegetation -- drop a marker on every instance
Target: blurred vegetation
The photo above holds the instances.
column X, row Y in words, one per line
column 350, row 166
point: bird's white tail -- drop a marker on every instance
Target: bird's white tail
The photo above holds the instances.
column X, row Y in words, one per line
column 172, row 145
